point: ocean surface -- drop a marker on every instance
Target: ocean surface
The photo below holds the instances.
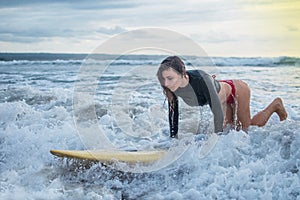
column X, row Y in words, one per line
column 76, row 102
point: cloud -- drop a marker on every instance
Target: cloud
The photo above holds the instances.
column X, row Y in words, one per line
column 292, row 28
column 21, row 39
column 216, row 37
column 111, row 31
column 34, row 21
column 75, row 4
column 214, row 22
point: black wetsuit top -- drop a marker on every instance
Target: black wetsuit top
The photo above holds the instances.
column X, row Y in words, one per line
column 201, row 90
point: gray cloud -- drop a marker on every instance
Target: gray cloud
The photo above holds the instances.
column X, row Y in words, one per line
column 111, row 31
column 34, row 21
column 30, row 20
column 292, row 28
column 76, row 4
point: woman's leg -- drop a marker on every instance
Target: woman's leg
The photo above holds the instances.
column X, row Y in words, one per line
column 242, row 104
column 243, row 108
column 261, row 118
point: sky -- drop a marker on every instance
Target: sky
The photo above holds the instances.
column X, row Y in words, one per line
column 221, row 27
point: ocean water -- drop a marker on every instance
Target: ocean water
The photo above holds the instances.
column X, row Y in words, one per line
column 65, row 101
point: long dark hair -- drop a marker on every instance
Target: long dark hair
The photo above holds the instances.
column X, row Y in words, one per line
column 176, row 64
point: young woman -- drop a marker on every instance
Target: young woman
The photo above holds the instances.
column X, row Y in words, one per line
column 225, row 97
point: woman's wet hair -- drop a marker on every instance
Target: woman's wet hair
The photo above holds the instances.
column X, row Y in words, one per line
column 178, row 66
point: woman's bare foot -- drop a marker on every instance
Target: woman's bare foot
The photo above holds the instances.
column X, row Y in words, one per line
column 279, row 108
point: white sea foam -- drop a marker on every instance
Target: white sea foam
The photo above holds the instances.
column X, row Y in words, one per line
column 36, row 115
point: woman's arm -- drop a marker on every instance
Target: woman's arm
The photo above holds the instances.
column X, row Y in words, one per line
column 214, row 103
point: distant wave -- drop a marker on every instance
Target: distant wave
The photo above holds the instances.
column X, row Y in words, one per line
column 78, row 59
column 40, row 56
column 41, row 62
column 257, row 61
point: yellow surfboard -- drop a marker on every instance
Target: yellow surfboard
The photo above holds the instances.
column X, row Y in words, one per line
column 108, row 156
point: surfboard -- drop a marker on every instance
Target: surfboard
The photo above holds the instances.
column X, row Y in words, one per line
column 108, row 156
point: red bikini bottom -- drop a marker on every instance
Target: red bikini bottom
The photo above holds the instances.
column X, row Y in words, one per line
column 230, row 99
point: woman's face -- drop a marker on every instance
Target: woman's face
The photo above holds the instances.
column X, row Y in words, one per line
column 172, row 79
